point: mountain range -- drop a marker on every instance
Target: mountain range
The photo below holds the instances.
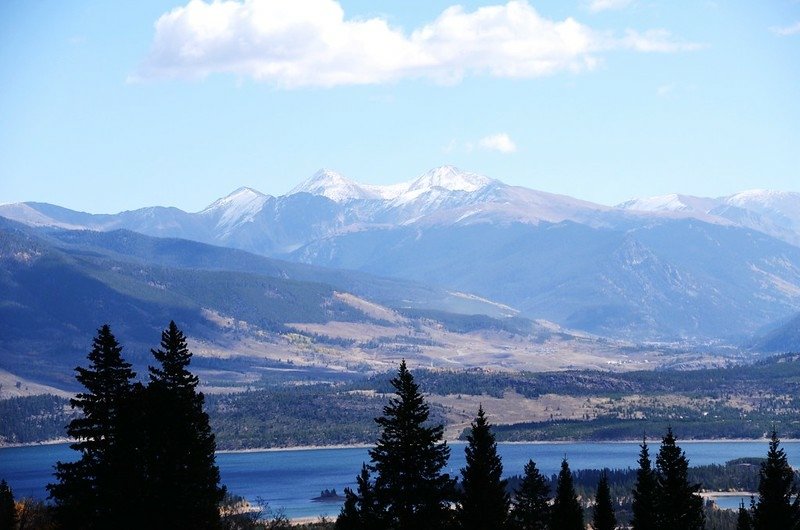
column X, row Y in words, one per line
column 674, row 267
column 248, row 317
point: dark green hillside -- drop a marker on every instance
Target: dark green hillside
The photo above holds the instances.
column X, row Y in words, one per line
column 460, row 323
column 785, row 337
column 183, row 254
column 53, row 299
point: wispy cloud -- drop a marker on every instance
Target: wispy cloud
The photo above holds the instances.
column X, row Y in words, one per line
column 300, row 43
column 500, row 142
column 785, row 31
column 605, row 5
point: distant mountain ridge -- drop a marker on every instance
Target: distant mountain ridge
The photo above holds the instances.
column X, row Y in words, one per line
column 245, row 314
column 776, row 213
column 675, row 267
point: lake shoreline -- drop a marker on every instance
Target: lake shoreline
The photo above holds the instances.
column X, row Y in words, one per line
column 652, row 441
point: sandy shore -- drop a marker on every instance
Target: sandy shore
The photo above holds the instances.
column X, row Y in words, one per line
column 708, row 494
column 295, row 448
column 55, row 441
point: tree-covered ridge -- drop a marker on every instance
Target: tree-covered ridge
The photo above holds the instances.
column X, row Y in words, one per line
column 777, row 375
column 293, row 416
column 33, row 418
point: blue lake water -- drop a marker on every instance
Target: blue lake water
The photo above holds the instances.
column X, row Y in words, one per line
column 289, row 479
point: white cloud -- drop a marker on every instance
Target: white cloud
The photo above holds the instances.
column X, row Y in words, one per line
column 296, row 43
column 665, row 90
column 605, row 5
column 655, row 40
column 785, row 31
column 501, row 142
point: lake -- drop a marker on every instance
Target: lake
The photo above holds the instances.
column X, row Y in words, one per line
column 288, row 479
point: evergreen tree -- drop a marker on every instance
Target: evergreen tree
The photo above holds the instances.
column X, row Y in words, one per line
column 183, row 479
column 677, row 505
column 361, row 510
column 644, row 493
column 484, row 500
column 744, row 521
column 604, row 518
column 408, row 458
column 567, row 513
column 8, row 511
column 531, row 501
column 87, row 493
column 774, row 508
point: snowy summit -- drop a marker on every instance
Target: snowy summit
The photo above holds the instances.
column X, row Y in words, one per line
column 338, row 188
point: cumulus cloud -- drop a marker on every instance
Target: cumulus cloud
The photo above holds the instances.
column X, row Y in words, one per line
column 605, row 5
column 298, row 43
column 785, row 31
column 500, row 142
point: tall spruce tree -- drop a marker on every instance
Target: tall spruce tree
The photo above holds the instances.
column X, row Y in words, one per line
column 484, row 501
column 531, row 509
column 645, row 492
column 567, row 513
column 183, row 479
column 408, row 458
column 89, row 490
column 603, row 516
column 744, row 521
column 8, row 511
column 361, row 510
column 677, row 505
column 774, row 508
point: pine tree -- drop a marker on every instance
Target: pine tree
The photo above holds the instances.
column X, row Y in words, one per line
column 567, row 513
column 408, row 458
column 361, row 510
column 744, row 521
column 774, row 508
column 183, row 479
column 644, row 493
column 484, row 500
column 604, row 518
column 87, row 493
column 531, row 502
column 677, row 505
column 8, row 511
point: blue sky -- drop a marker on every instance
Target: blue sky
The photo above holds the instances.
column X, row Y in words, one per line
column 102, row 109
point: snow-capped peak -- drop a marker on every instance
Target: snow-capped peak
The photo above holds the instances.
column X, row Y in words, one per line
column 450, row 178
column 661, row 203
column 764, row 198
column 334, row 186
column 673, row 203
column 242, row 198
column 337, row 188
column 238, row 207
